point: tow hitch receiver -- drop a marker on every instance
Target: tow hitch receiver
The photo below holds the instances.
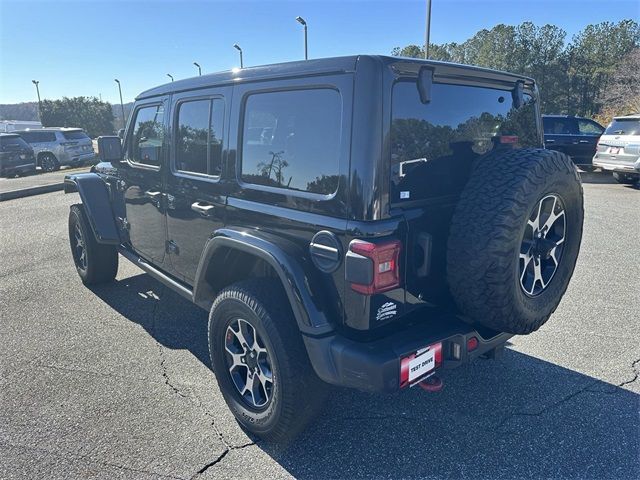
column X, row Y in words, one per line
column 432, row 383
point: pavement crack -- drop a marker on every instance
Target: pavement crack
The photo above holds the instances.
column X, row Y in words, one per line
column 587, row 388
column 220, row 457
column 636, row 373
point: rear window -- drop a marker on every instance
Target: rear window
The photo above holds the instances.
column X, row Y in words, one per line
column 291, row 140
column 75, row 135
column 12, row 142
column 433, row 145
column 626, row 126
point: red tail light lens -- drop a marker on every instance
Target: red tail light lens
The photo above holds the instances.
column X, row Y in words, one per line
column 386, row 268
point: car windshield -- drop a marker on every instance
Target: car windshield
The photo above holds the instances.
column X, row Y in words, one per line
column 12, row 142
column 75, row 135
column 624, row 126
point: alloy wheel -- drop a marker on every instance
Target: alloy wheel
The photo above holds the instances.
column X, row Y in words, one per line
column 249, row 363
column 79, row 248
column 542, row 245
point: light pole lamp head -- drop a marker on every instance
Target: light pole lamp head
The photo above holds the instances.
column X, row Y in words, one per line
column 35, row 82
column 196, row 64
column 301, row 21
column 117, row 81
column 237, row 47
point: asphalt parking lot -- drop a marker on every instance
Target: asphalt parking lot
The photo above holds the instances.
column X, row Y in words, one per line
column 115, row 382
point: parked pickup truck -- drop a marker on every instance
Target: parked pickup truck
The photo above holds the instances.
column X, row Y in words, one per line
column 361, row 221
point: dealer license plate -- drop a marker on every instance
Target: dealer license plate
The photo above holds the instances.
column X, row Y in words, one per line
column 614, row 150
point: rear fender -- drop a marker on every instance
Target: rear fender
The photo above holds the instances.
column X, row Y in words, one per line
column 96, row 201
column 286, row 259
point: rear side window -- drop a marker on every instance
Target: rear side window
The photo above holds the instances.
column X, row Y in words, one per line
column 75, row 135
column 199, row 136
column 147, row 140
column 626, row 126
column 291, row 140
column 433, row 145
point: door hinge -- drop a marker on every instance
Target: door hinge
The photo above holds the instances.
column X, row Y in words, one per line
column 172, row 247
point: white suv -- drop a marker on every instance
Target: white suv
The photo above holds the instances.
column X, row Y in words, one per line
column 619, row 149
column 59, row 146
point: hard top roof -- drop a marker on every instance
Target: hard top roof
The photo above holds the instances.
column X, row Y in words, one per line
column 316, row 67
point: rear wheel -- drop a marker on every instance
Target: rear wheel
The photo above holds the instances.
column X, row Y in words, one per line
column 626, row 178
column 514, row 239
column 95, row 262
column 48, row 162
column 260, row 362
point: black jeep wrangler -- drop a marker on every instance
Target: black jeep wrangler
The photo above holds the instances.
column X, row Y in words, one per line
column 361, row 221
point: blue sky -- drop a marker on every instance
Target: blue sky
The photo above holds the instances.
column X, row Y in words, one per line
column 78, row 48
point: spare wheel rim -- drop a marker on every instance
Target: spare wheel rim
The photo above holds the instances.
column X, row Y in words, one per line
column 542, row 245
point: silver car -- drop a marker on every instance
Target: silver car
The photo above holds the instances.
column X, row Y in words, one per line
column 618, row 149
column 55, row 147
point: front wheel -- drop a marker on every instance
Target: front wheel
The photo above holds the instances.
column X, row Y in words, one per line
column 95, row 262
column 260, row 362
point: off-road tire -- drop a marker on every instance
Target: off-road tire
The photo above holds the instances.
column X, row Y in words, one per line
column 48, row 162
column 298, row 394
column 101, row 263
column 487, row 229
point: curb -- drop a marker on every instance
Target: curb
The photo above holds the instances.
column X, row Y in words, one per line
column 27, row 192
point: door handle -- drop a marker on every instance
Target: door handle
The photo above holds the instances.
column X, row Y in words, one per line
column 584, row 141
column 550, row 141
column 203, row 209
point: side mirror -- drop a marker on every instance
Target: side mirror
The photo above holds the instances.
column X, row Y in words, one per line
column 110, row 149
column 121, row 133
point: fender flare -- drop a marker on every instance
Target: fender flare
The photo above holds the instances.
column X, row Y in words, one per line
column 97, row 204
column 284, row 257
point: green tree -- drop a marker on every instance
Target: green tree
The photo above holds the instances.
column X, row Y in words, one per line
column 571, row 78
column 592, row 57
column 88, row 113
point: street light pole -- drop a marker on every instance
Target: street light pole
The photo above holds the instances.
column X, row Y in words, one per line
column 237, row 47
column 427, row 30
column 124, row 122
column 170, row 76
column 303, row 22
column 199, row 69
column 36, row 82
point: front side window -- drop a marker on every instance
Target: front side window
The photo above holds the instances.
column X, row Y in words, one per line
column 433, row 145
column 199, row 137
column 147, row 138
column 587, row 127
column 291, row 140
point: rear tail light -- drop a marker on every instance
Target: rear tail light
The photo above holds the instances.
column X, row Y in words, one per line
column 509, row 139
column 382, row 268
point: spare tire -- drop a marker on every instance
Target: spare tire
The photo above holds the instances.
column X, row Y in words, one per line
column 514, row 238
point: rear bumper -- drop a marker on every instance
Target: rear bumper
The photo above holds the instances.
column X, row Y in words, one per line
column 375, row 365
column 631, row 164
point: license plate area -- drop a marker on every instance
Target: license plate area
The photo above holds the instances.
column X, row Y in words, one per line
column 418, row 365
column 615, row 150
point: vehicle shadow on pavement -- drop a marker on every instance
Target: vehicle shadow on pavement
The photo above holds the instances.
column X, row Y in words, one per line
column 515, row 417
